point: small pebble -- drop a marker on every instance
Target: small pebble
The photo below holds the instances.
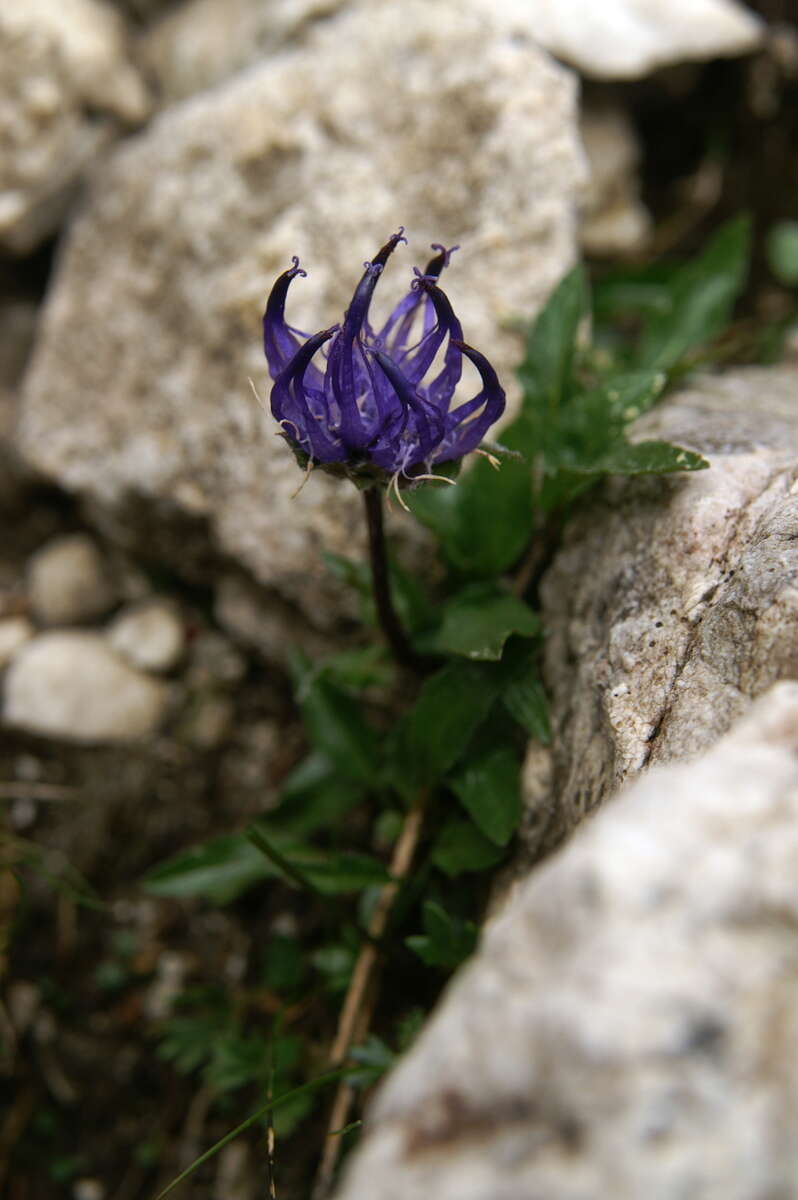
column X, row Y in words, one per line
column 14, row 632
column 68, row 581
column 151, row 636
column 88, row 1189
column 72, row 685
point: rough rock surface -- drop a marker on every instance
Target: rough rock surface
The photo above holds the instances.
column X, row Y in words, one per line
column 68, row 581
column 628, row 39
column 72, row 685
column 155, row 310
column 628, row 1026
column 614, row 221
column 65, row 84
column 674, row 601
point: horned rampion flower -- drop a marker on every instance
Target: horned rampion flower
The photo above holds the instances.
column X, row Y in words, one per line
column 365, row 411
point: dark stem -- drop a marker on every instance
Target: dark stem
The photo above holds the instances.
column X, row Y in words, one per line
column 395, row 635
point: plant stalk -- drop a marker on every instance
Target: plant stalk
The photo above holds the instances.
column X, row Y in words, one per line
column 390, row 624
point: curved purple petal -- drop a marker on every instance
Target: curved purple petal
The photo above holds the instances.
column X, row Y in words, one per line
column 441, row 259
column 292, row 408
column 464, row 430
column 280, row 340
column 357, row 312
column 427, row 422
column 417, row 361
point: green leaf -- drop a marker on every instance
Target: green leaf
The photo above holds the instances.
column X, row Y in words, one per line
column 547, row 367
column 346, row 872
column 460, row 847
column 647, row 458
column 451, row 705
column 316, row 871
column 484, row 520
column 284, row 964
column 358, row 668
column 223, row 868
column 489, row 789
column 782, row 251
column 525, row 701
column 478, row 621
column 702, row 294
column 337, row 728
column 446, row 940
column 410, row 600
column 315, row 797
column 336, row 961
column 219, row 870
column 374, row 1057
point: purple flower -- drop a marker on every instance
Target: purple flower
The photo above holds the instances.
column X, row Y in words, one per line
column 366, row 412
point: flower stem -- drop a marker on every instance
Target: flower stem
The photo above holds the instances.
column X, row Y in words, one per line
column 395, row 635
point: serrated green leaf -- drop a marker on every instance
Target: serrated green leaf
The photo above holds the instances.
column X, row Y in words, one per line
column 702, row 294
column 345, row 872
column 547, row 366
column 478, row 621
column 314, row 797
column 594, row 420
column 647, row 458
column 525, row 700
column 489, row 789
column 359, row 668
column 460, row 847
column 336, row 727
column 450, row 706
column 446, row 941
column 782, row 251
column 374, row 1057
column 284, row 964
column 220, row 870
column 483, row 521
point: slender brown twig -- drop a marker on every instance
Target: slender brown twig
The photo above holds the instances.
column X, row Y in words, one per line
column 356, row 1013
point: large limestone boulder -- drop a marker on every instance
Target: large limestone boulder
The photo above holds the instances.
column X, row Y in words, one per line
column 66, row 86
column 628, row 1027
column 673, row 602
column 138, row 397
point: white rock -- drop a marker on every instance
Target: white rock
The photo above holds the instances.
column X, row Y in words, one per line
column 628, row 39
column 614, row 220
column 65, row 81
column 187, row 226
column 150, row 635
column 672, row 603
column 628, row 1026
column 72, row 685
column 68, row 581
column 14, row 632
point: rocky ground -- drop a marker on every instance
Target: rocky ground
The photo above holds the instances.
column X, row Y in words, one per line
column 159, row 164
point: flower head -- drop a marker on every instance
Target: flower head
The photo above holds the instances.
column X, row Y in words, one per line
column 371, row 411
